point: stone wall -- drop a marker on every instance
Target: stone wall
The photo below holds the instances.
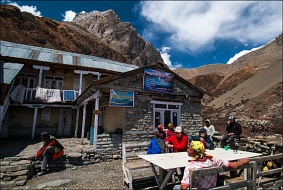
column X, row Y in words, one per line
column 14, row 172
column 257, row 126
column 138, row 120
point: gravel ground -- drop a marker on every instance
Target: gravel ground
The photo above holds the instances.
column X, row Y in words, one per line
column 104, row 175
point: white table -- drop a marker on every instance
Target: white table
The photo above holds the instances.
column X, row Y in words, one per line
column 168, row 162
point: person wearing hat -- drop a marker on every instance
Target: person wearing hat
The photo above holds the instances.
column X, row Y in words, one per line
column 51, row 149
column 157, row 144
column 170, row 131
column 210, row 130
column 204, row 138
column 199, row 159
column 160, row 132
column 178, row 141
column 234, row 129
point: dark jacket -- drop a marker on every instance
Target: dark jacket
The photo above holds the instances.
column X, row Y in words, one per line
column 207, row 141
column 235, row 128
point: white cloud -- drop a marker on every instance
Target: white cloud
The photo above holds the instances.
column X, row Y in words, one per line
column 26, row 8
column 240, row 54
column 166, row 58
column 194, row 26
column 69, row 15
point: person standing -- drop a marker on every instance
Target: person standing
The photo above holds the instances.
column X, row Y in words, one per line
column 199, row 159
column 51, row 149
column 210, row 130
column 234, row 129
column 178, row 142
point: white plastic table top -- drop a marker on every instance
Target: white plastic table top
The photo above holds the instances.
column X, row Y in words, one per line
column 180, row 159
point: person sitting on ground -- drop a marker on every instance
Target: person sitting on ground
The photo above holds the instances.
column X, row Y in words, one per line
column 234, row 129
column 209, row 129
column 51, row 149
column 157, row 144
column 170, row 131
column 178, row 141
column 199, row 159
column 203, row 137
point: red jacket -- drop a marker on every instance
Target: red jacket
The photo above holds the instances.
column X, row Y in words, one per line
column 179, row 145
column 59, row 149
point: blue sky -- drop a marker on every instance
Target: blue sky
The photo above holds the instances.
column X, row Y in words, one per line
column 188, row 34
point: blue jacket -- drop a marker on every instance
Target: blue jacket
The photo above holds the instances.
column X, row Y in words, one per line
column 156, row 146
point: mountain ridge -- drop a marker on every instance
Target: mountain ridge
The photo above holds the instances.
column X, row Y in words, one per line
column 102, row 34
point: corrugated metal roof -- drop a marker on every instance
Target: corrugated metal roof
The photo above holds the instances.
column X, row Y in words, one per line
column 10, row 49
column 8, row 71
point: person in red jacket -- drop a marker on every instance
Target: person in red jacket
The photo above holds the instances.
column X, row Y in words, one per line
column 178, row 141
column 51, row 149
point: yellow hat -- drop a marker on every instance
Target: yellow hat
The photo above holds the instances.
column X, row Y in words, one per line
column 197, row 146
column 170, row 125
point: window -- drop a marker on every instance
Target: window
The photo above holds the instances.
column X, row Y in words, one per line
column 165, row 113
column 53, row 82
column 26, row 79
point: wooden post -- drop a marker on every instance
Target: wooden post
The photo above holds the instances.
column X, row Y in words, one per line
column 41, row 68
column 95, row 123
column 83, row 124
column 34, row 122
column 77, row 122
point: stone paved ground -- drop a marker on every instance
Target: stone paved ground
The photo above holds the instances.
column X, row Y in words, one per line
column 103, row 175
column 24, row 147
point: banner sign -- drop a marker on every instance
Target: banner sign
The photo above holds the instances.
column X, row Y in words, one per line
column 157, row 81
column 121, row 98
column 47, row 95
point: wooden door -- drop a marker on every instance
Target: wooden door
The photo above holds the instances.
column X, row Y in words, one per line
column 65, row 122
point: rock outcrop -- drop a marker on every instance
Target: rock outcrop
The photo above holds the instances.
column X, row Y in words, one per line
column 120, row 36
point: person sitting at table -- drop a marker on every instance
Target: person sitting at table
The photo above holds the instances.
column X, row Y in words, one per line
column 157, row 144
column 204, row 138
column 178, row 142
column 199, row 159
column 170, row 131
column 161, row 132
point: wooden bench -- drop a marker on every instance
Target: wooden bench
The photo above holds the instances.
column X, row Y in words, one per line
column 267, row 182
column 131, row 162
column 250, row 182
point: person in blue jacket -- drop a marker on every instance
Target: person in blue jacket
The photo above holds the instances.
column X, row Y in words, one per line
column 157, row 144
column 204, row 138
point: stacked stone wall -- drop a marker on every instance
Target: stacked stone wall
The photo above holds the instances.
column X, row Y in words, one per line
column 13, row 172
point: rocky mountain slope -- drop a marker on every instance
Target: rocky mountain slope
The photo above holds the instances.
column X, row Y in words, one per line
column 24, row 28
column 249, row 88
